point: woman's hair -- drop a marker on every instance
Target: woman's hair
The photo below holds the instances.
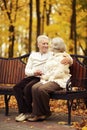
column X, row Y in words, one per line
column 58, row 45
column 42, row 37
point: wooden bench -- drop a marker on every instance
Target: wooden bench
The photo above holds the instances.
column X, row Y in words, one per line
column 12, row 71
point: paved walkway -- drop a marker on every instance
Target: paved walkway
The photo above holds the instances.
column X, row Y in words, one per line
column 9, row 123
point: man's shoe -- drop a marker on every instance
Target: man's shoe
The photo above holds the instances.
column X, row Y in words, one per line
column 22, row 117
column 17, row 117
column 36, row 118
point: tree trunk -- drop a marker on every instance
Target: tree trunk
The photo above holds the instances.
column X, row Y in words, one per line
column 73, row 26
column 43, row 16
column 48, row 12
column 38, row 19
column 30, row 27
column 11, row 40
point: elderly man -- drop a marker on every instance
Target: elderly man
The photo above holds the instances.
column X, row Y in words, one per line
column 33, row 71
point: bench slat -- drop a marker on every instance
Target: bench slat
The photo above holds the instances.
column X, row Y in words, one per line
column 11, row 71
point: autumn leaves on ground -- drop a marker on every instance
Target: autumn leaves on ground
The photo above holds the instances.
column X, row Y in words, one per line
column 59, row 106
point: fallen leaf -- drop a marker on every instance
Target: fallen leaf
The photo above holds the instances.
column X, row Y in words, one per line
column 62, row 123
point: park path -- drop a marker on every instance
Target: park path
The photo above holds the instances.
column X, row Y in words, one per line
column 54, row 122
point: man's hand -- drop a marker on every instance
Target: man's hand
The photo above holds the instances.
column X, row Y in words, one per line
column 66, row 61
column 38, row 73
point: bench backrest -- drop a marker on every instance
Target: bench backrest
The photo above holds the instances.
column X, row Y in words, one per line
column 12, row 70
column 79, row 71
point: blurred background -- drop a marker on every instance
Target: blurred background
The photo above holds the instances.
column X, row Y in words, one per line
column 21, row 21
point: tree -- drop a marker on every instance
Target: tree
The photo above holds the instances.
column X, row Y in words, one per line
column 30, row 26
column 8, row 7
column 38, row 19
column 13, row 16
column 73, row 26
column 48, row 12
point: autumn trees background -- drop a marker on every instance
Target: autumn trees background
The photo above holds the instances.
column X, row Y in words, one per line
column 21, row 21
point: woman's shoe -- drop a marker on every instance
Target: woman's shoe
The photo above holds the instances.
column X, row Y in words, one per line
column 37, row 118
column 33, row 118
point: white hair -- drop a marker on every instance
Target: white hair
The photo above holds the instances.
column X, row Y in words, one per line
column 57, row 44
column 42, row 37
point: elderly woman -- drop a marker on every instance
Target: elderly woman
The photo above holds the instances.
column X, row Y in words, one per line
column 54, row 78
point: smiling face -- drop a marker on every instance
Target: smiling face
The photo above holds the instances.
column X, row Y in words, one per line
column 43, row 44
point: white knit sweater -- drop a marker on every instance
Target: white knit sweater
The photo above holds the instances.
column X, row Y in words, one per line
column 55, row 71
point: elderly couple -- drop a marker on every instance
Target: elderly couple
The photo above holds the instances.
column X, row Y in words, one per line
column 46, row 71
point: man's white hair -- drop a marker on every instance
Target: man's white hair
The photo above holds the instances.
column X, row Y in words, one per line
column 42, row 37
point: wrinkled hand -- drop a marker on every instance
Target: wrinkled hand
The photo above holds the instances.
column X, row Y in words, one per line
column 38, row 73
column 66, row 61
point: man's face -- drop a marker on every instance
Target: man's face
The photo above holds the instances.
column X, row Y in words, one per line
column 43, row 46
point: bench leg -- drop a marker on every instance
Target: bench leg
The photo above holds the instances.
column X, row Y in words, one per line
column 6, row 99
column 85, row 101
column 69, row 105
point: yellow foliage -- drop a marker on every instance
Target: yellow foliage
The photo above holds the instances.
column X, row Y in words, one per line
column 84, row 128
column 59, row 22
